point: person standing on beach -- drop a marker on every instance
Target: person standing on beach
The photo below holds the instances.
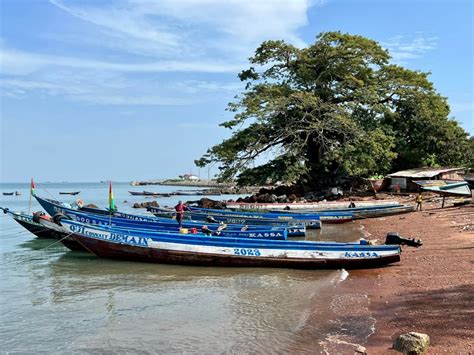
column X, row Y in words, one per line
column 180, row 208
column 419, row 201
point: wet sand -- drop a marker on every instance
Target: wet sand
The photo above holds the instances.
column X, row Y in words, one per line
column 432, row 289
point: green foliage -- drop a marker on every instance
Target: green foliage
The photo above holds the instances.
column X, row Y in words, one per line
column 335, row 108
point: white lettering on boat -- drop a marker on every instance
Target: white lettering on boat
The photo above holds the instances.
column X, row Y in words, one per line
column 110, row 236
column 247, row 252
column 361, row 254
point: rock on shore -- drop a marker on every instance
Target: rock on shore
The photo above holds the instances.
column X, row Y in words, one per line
column 145, row 204
column 412, row 343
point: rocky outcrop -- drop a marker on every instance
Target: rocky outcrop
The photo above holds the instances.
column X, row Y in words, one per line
column 295, row 193
column 207, row 203
column 145, row 204
column 412, row 343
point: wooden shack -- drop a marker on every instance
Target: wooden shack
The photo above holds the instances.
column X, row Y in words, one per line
column 405, row 179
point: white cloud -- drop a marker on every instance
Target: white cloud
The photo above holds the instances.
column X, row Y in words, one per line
column 143, row 52
column 114, row 89
column 19, row 62
column 406, row 47
column 194, row 27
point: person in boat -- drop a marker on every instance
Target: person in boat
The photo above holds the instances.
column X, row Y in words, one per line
column 180, row 208
column 352, row 204
column 419, row 201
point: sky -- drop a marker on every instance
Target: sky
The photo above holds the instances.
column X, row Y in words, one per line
column 135, row 89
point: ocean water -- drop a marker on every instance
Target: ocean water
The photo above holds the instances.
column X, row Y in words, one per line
column 56, row 301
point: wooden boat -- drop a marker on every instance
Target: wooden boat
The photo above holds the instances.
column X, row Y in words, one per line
column 54, row 207
column 446, row 187
column 73, row 193
column 44, row 228
column 237, row 219
column 365, row 212
column 220, row 251
column 331, row 217
column 147, row 226
column 148, row 193
column 314, row 206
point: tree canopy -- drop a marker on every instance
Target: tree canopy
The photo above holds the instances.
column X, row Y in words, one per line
column 336, row 108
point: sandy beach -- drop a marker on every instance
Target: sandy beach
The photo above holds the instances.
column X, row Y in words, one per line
column 432, row 289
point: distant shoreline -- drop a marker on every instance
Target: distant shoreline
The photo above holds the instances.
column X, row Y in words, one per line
column 181, row 182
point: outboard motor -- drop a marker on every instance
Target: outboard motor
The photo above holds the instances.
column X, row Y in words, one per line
column 394, row 238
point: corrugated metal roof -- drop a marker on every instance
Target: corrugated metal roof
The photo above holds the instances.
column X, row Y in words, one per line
column 423, row 172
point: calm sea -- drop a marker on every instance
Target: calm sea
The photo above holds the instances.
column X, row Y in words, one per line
column 56, row 301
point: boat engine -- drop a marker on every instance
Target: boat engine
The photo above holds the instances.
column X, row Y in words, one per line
column 394, row 238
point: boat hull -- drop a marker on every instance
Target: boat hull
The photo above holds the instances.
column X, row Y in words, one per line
column 148, row 223
column 221, row 251
column 46, row 230
column 109, row 250
column 314, row 206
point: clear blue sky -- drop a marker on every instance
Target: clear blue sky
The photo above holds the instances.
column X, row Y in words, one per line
column 135, row 89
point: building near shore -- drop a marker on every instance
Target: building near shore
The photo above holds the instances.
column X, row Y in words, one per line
column 189, row 177
column 404, row 180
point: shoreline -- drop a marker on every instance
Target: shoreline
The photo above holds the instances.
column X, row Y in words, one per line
column 431, row 290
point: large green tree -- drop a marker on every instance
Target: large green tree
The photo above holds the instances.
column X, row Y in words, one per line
column 335, row 108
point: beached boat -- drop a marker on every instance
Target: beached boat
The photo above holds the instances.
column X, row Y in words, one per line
column 220, row 251
column 73, row 193
column 43, row 227
column 331, row 217
column 237, row 219
column 54, row 207
column 446, row 187
column 364, row 212
column 148, row 226
column 314, row 206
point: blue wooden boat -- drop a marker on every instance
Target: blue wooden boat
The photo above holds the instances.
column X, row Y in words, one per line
column 55, row 207
column 237, row 219
column 335, row 217
column 362, row 212
column 109, row 242
column 173, row 227
column 310, row 206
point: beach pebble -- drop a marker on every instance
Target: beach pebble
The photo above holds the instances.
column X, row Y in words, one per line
column 412, row 343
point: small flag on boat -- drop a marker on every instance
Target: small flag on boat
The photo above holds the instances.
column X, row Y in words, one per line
column 32, row 188
column 111, row 198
